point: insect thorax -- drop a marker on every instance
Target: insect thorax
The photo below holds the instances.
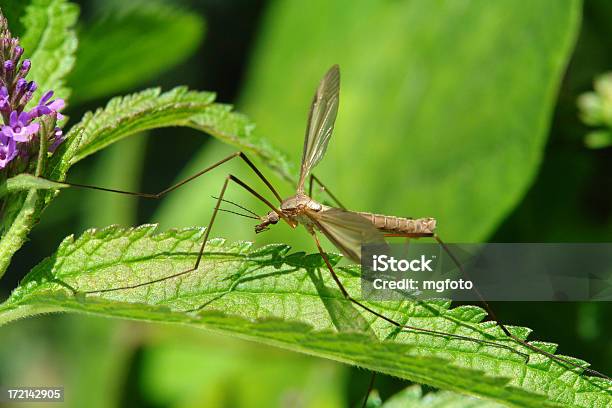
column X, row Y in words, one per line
column 299, row 203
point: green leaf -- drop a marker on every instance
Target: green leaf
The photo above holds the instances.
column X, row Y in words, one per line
column 18, row 220
column 290, row 301
column 130, row 45
column 24, row 182
column 445, row 106
column 50, row 42
column 149, row 109
column 237, row 130
column 413, row 397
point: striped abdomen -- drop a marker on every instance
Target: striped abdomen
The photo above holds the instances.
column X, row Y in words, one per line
column 399, row 225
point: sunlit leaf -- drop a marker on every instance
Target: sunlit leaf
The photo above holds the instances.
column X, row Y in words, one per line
column 290, row 301
column 150, row 109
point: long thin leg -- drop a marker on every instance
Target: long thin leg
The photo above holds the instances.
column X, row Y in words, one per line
column 503, row 327
column 370, row 387
column 206, row 234
column 458, row 264
column 156, row 196
column 399, row 325
column 314, row 178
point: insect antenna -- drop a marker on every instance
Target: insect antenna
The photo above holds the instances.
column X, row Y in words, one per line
column 251, row 214
column 240, row 214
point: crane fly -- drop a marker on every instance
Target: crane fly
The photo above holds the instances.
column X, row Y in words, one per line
column 347, row 230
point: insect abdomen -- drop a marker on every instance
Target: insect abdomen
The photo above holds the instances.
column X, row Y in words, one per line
column 400, row 225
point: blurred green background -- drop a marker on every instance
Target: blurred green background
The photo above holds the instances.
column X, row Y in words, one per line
column 465, row 111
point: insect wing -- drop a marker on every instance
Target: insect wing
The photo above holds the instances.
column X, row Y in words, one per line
column 321, row 121
column 346, row 230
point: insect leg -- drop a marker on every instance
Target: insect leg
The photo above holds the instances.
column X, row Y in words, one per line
column 370, row 387
column 504, row 328
column 173, row 187
column 396, row 324
column 314, row 178
column 205, row 239
column 311, row 182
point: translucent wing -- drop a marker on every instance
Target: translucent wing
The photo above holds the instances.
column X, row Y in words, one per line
column 346, row 230
column 320, row 122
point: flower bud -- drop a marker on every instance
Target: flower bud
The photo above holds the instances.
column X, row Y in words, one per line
column 25, row 67
column 21, row 84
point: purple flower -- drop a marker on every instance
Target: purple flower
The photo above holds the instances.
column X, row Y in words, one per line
column 19, row 129
column 21, row 132
column 8, row 150
column 46, row 107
